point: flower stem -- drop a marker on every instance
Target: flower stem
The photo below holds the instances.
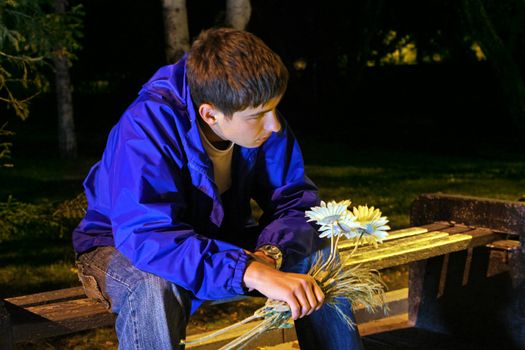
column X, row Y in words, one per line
column 327, row 261
column 256, row 315
column 251, row 334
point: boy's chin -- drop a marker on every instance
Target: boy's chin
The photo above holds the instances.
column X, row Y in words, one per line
column 254, row 144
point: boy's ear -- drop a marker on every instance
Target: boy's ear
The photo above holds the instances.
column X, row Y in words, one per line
column 208, row 113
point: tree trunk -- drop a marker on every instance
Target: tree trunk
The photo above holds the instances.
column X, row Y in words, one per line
column 66, row 126
column 176, row 29
column 512, row 85
column 238, row 13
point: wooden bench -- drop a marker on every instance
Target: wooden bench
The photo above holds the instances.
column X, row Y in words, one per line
column 442, row 229
column 473, row 295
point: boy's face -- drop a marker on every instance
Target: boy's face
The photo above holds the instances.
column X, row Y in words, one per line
column 248, row 128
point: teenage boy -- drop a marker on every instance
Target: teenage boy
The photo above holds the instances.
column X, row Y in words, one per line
column 169, row 223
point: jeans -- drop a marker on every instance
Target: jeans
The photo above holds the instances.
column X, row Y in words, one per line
column 153, row 313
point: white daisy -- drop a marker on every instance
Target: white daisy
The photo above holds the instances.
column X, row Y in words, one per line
column 347, row 223
column 334, row 218
column 372, row 223
column 328, row 214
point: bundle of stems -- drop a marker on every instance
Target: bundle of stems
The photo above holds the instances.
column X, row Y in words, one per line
column 361, row 286
column 276, row 314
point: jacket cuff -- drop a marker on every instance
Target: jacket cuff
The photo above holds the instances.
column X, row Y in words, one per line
column 238, row 274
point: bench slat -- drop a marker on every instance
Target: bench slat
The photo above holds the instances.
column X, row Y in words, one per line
column 406, row 254
column 65, row 317
column 482, row 236
column 48, row 297
column 438, row 226
column 65, row 310
column 418, row 240
column 408, row 232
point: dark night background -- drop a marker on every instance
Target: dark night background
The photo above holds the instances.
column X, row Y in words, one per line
column 374, row 128
column 453, row 106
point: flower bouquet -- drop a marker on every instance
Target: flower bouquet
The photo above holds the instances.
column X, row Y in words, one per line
column 362, row 286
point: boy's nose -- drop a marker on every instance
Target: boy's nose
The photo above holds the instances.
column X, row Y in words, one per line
column 272, row 122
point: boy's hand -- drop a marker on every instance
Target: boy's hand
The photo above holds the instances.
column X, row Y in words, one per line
column 299, row 291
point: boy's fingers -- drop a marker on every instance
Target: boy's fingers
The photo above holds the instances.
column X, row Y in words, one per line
column 319, row 295
column 295, row 307
column 303, row 301
column 312, row 299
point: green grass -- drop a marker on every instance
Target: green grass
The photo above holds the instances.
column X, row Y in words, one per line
column 43, row 179
column 389, row 180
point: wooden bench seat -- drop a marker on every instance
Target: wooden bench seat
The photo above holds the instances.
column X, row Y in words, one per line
column 443, row 244
column 419, row 243
column 68, row 310
column 53, row 313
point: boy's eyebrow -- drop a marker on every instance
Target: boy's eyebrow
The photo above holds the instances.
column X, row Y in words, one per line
column 261, row 112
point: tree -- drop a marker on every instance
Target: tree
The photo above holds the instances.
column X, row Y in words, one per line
column 32, row 36
column 238, row 13
column 67, row 142
column 176, row 29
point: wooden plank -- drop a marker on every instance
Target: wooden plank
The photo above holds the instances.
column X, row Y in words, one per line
column 419, row 240
column 65, row 310
column 48, row 297
column 457, row 228
column 437, row 226
column 385, row 325
column 33, row 331
column 404, row 255
column 65, row 317
column 482, row 236
column 420, row 245
column 408, row 232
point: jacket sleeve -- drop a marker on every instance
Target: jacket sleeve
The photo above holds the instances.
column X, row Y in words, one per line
column 284, row 193
column 147, row 206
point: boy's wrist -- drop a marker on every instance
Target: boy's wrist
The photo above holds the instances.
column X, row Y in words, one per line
column 253, row 274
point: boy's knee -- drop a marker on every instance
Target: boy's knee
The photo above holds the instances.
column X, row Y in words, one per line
column 153, row 286
column 153, row 289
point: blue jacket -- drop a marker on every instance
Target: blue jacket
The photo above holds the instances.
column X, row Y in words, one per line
column 153, row 197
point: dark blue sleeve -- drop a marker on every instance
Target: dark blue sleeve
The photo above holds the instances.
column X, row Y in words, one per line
column 284, row 193
column 143, row 165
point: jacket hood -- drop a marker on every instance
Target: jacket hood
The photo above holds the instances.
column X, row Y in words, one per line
column 171, row 84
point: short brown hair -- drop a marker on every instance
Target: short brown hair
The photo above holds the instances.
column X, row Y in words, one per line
column 234, row 70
